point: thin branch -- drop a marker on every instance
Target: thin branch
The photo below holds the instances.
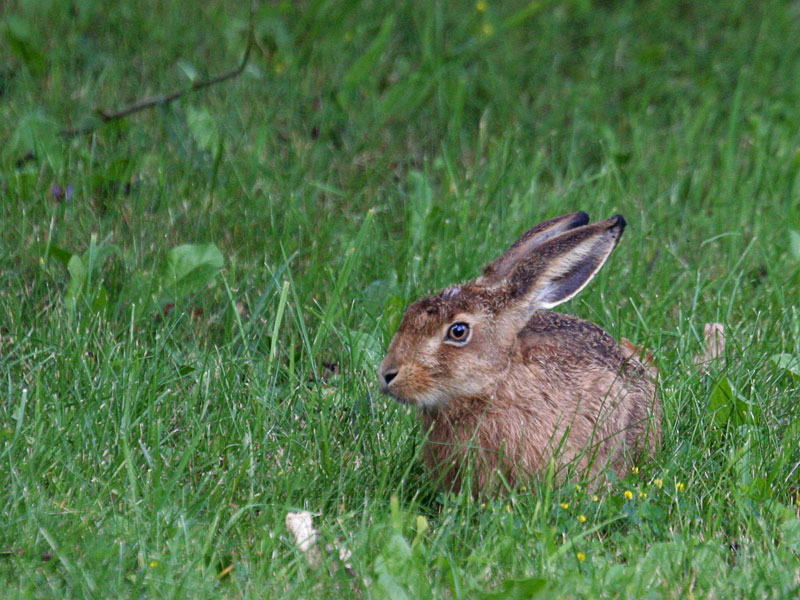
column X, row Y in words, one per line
column 164, row 99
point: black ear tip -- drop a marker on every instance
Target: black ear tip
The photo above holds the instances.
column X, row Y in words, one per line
column 618, row 221
column 580, row 219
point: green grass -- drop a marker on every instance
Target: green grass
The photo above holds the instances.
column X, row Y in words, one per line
column 368, row 155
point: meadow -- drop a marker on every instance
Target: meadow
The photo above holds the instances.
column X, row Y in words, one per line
column 194, row 298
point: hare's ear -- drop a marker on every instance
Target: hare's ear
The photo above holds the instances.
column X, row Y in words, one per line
column 498, row 271
column 553, row 272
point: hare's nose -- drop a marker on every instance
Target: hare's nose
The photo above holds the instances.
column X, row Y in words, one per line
column 387, row 375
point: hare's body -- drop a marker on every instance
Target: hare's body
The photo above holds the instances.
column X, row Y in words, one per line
column 589, row 408
column 506, row 387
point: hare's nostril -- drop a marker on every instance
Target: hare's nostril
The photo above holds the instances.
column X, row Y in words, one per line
column 388, row 375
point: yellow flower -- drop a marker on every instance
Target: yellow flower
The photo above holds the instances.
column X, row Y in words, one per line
column 481, row 5
column 642, row 495
column 153, row 564
column 582, row 518
column 680, row 487
column 628, row 495
column 487, row 29
column 595, row 498
column 580, row 556
column 508, row 508
column 659, row 483
column 635, row 470
column 564, row 505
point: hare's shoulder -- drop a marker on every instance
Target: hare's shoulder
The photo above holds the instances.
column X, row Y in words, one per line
column 551, row 337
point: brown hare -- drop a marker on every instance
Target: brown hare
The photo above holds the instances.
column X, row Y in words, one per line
column 505, row 385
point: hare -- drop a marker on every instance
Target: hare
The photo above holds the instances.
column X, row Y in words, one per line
column 505, row 386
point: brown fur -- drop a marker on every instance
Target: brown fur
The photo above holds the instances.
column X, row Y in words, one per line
column 529, row 385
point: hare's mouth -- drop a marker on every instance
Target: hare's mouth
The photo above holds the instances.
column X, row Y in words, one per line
column 418, row 398
column 422, row 399
column 396, row 393
column 401, row 400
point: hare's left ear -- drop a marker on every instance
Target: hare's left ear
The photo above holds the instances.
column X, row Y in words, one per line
column 561, row 267
column 496, row 272
column 554, row 271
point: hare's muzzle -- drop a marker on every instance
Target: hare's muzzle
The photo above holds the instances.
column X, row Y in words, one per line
column 391, row 386
column 386, row 373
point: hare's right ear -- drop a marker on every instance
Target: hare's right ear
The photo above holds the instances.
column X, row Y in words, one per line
column 497, row 272
column 554, row 271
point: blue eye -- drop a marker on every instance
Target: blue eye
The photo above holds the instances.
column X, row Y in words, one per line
column 458, row 332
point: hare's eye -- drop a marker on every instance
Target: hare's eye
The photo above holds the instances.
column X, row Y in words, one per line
column 458, row 332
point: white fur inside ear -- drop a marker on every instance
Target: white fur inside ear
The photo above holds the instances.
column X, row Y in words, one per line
column 565, row 278
column 451, row 292
column 546, row 292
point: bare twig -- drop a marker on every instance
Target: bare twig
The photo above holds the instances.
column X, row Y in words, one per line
column 713, row 347
column 164, row 99
column 301, row 526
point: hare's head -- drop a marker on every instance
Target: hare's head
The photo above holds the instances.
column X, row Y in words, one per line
column 458, row 343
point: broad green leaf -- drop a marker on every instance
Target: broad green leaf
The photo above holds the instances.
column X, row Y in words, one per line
column 422, row 529
column 788, row 362
column 187, row 269
column 387, row 585
column 58, row 253
column 791, row 533
column 529, row 11
column 420, row 203
column 729, row 407
column 38, row 134
column 188, row 69
column 22, row 42
column 270, row 27
column 366, row 349
column 394, row 313
column 100, row 300
column 787, row 448
column 707, row 562
column 653, row 54
column 365, row 65
column 84, row 273
column 792, row 432
column 204, row 128
column 78, row 273
column 794, row 243
column 185, row 370
column 376, row 294
column 721, row 403
column 400, row 573
column 78, row 285
column 397, row 515
column 96, row 255
column 405, row 97
column 519, row 589
column 398, row 548
column 759, row 490
column 663, row 559
column 401, row 568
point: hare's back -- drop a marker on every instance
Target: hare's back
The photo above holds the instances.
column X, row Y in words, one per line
column 586, row 370
column 561, row 340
